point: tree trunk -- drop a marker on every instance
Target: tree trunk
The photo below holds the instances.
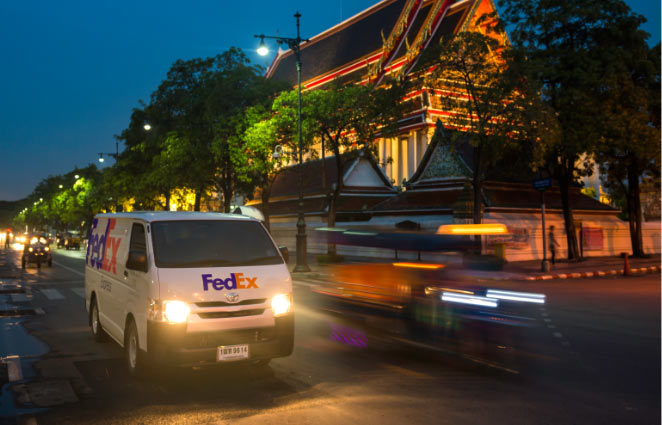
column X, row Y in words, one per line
column 227, row 198
column 634, row 211
column 167, row 201
column 564, row 178
column 196, row 203
column 331, row 220
column 476, row 181
column 266, row 192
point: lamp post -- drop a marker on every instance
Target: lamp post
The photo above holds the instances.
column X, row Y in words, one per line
column 262, row 50
column 114, row 155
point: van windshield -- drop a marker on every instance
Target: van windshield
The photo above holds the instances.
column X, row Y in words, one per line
column 206, row 243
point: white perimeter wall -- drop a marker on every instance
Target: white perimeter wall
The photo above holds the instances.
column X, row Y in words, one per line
column 527, row 245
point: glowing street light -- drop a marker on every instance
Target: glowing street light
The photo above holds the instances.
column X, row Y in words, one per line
column 262, row 49
column 76, row 176
column 61, row 186
column 147, row 126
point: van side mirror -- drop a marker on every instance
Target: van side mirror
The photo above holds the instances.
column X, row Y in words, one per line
column 137, row 261
column 285, row 253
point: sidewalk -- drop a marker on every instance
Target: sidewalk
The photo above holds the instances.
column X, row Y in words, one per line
column 519, row 270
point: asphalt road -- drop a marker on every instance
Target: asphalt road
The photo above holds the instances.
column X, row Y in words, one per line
column 593, row 358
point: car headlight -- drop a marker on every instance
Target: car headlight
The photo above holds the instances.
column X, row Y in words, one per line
column 281, row 304
column 30, row 249
column 47, row 249
column 176, row 311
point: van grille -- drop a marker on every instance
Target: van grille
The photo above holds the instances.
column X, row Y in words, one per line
column 241, row 336
column 223, row 314
column 224, row 304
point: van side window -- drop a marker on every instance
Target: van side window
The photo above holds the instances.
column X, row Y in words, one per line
column 137, row 249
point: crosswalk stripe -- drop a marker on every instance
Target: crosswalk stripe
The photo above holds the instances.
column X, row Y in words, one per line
column 52, row 294
column 19, row 298
column 79, row 291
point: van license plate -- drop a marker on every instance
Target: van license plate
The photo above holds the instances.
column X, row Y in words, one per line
column 228, row 353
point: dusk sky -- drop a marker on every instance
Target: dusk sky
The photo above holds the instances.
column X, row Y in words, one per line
column 73, row 70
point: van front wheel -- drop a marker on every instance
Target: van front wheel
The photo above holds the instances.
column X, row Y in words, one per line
column 134, row 358
column 97, row 331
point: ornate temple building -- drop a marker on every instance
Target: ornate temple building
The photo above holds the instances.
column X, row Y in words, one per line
column 416, row 178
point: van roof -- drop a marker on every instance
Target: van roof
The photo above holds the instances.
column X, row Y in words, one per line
column 151, row 216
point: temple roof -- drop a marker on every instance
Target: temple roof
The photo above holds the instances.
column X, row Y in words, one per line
column 345, row 50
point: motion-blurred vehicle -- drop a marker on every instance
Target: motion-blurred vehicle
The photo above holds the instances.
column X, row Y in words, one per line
column 36, row 252
column 423, row 300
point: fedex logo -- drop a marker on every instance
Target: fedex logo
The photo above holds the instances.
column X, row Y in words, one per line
column 235, row 281
column 102, row 248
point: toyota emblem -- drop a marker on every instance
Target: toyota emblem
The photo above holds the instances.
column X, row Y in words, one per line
column 232, row 297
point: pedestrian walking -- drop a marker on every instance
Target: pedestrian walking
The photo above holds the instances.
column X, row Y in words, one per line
column 552, row 244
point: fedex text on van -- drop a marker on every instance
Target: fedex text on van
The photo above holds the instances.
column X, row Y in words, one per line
column 235, row 281
column 102, row 248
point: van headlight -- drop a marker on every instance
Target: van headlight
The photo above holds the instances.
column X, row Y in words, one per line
column 168, row 311
column 176, row 311
column 281, row 304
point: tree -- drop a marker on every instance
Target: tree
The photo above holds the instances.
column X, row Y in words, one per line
column 470, row 74
column 630, row 146
column 347, row 118
column 559, row 45
column 255, row 162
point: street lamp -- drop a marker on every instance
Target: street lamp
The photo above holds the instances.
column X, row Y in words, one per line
column 262, row 50
column 114, row 155
column 147, row 126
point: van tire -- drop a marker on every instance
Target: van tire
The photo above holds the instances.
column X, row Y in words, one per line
column 135, row 360
column 95, row 324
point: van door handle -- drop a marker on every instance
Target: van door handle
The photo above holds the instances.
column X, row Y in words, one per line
column 126, row 273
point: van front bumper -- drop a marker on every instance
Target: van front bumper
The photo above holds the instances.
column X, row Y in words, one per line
column 170, row 344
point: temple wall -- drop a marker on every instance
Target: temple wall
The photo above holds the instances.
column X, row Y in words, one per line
column 609, row 236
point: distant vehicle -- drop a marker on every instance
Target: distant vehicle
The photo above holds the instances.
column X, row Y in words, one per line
column 36, row 252
column 71, row 241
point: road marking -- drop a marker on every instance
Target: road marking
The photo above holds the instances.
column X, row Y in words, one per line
column 301, row 283
column 14, row 371
column 69, row 268
column 52, row 294
column 404, row 371
column 19, row 298
column 558, row 334
column 79, row 291
column 547, row 320
column 551, row 326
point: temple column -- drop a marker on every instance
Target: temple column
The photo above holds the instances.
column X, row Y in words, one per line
column 395, row 164
column 388, row 169
column 404, row 160
column 412, row 154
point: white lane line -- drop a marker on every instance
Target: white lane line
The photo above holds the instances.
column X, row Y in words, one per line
column 78, row 272
column 302, row 283
column 558, row 334
column 52, row 294
column 79, row 291
column 551, row 326
column 19, row 298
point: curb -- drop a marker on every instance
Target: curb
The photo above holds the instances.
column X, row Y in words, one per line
column 598, row 273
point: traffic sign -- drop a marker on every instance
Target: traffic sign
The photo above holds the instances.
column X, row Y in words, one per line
column 542, row 184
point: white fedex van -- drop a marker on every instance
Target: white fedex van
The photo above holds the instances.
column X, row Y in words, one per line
column 185, row 288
